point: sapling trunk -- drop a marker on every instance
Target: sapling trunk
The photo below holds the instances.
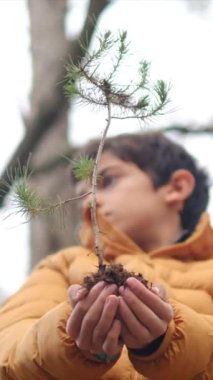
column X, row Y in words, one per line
column 95, row 226
column 92, row 85
column 105, row 93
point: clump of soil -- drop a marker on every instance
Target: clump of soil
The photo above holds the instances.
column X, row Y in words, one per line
column 113, row 274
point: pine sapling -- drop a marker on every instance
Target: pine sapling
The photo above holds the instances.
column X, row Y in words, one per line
column 95, row 81
column 92, row 85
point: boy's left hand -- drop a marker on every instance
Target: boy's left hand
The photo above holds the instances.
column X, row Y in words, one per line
column 144, row 313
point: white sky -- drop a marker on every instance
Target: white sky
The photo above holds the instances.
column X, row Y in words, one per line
column 178, row 44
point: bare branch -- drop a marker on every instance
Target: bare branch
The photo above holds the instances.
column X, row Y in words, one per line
column 46, row 117
column 94, row 11
column 189, row 129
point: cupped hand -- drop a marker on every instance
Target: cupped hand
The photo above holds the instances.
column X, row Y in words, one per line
column 92, row 323
column 145, row 314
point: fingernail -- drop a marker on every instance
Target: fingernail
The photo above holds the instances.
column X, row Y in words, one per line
column 155, row 289
column 131, row 281
column 99, row 285
column 80, row 293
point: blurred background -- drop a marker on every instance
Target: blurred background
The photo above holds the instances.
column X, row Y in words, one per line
column 37, row 39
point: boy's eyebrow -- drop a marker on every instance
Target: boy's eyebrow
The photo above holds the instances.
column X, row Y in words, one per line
column 104, row 170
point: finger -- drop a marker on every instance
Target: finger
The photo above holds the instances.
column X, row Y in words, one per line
column 155, row 325
column 155, row 303
column 112, row 344
column 160, row 291
column 134, row 326
column 105, row 323
column 81, row 308
column 127, row 337
column 92, row 317
column 76, row 293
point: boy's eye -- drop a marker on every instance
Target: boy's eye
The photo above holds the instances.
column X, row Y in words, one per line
column 106, row 181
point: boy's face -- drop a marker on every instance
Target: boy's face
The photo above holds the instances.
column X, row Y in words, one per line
column 127, row 198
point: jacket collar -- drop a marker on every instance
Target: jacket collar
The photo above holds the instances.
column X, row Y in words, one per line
column 199, row 246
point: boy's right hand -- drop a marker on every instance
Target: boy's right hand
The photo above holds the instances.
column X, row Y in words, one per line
column 92, row 323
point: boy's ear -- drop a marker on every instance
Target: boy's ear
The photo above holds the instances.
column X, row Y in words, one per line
column 180, row 187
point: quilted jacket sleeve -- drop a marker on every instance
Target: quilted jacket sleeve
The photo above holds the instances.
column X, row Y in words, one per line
column 187, row 349
column 33, row 341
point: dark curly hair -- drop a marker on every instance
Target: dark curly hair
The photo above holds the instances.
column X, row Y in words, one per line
column 159, row 157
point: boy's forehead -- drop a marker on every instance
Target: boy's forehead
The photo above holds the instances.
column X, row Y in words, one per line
column 108, row 159
column 111, row 161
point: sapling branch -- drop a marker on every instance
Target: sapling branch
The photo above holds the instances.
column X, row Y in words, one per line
column 28, row 203
column 93, row 87
column 93, row 82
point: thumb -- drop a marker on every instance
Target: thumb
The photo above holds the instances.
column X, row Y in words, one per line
column 76, row 293
column 160, row 290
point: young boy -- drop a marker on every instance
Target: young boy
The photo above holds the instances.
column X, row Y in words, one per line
column 150, row 202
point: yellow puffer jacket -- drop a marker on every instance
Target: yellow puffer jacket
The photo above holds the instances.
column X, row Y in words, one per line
column 33, row 341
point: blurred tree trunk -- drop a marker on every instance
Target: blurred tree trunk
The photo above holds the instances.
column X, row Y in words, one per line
column 50, row 50
column 49, row 47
